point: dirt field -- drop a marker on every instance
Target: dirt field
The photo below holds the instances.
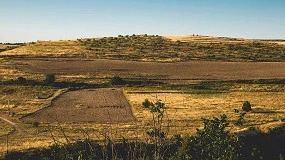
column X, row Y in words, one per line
column 90, row 105
column 192, row 70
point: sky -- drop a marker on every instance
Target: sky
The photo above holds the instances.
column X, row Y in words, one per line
column 32, row 20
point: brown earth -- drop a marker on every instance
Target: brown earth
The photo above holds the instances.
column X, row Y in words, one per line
column 89, row 105
column 191, row 70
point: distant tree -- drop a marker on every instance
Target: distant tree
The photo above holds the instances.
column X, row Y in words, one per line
column 246, row 106
column 21, row 80
column 147, row 103
column 116, row 80
column 50, row 78
column 36, row 124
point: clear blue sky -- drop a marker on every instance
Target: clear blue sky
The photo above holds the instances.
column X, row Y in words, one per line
column 31, row 20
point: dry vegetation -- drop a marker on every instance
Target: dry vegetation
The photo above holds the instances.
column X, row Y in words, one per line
column 10, row 46
column 191, row 90
column 158, row 48
column 5, row 128
column 184, row 111
column 185, row 108
column 48, row 48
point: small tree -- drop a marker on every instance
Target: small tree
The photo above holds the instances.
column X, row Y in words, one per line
column 50, row 78
column 147, row 103
column 156, row 134
column 36, row 124
column 246, row 106
column 116, row 80
column 21, row 80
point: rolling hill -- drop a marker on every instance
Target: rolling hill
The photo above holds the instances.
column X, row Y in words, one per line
column 158, row 48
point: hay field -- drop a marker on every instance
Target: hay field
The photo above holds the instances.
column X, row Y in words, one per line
column 51, row 48
column 184, row 110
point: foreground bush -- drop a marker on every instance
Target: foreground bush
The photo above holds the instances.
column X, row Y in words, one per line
column 213, row 141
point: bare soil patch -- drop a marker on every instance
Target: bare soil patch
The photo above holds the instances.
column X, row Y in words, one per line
column 191, row 70
column 89, row 105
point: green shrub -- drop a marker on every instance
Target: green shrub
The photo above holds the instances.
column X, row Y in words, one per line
column 146, row 103
column 246, row 106
column 36, row 124
column 21, row 80
column 50, row 78
column 116, row 80
column 213, row 141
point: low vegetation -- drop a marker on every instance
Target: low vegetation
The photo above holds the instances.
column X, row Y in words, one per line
column 158, row 48
column 10, row 46
column 146, row 110
column 213, row 141
column 5, row 128
column 150, row 47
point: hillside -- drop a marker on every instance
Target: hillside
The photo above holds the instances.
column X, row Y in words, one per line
column 10, row 46
column 159, row 48
column 47, row 48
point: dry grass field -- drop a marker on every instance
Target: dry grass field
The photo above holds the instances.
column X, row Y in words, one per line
column 5, row 128
column 10, row 46
column 184, row 111
column 50, row 48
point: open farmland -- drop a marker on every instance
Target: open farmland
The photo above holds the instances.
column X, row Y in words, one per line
column 91, row 105
column 191, row 70
column 84, row 103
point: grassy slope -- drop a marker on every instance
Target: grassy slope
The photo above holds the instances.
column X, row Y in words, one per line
column 48, row 48
column 7, row 47
column 157, row 48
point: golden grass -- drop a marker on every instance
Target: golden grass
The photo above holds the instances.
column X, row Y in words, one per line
column 24, row 99
column 47, row 48
column 9, row 71
column 206, row 39
column 186, row 110
column 5, row 128
column 184, row 113
column 2, row 46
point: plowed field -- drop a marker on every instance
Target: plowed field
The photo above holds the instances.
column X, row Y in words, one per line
column 89, row 105
column 192, row 70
